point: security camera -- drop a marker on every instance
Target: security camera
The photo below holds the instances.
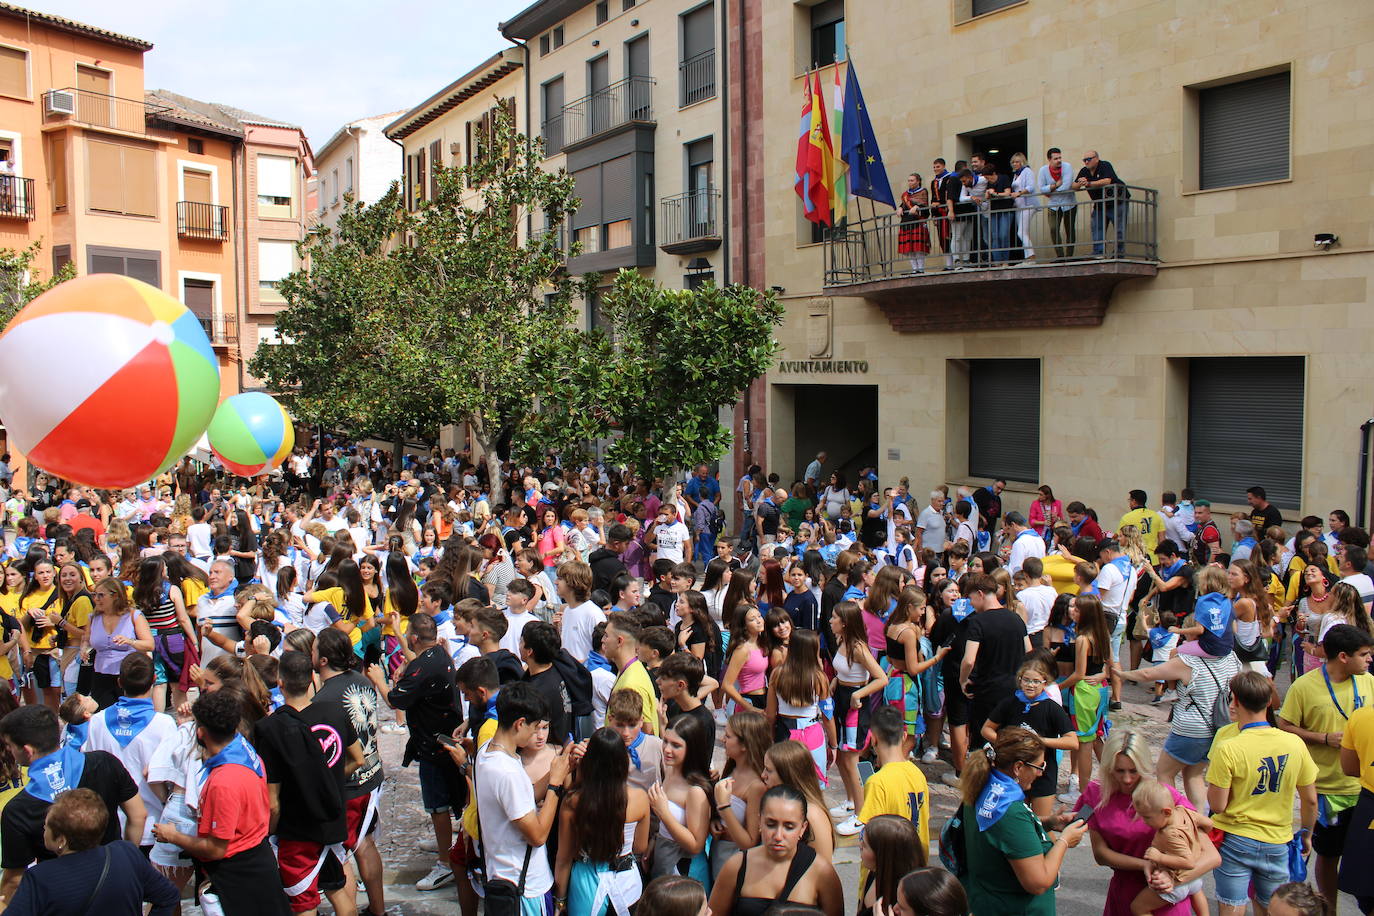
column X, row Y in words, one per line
column 1324, row 240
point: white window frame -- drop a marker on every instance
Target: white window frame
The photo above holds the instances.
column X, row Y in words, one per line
column 17, row 148
column 272, row 294
column 348, row 174
column 183, row 165
column 334, row 177
column 293, row 190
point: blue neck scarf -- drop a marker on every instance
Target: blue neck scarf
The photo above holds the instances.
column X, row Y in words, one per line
column 491, row 707
column 278, row 699
column 1245, row 542
column 1076, row 527
column 997, row 797
column 443, row 617
column 76, row 734
column 1160, row 636
column 127, row 718
column 633, row 748
column 1168, row 572
column 598, row 662
column 1030, row 531
column 1070, row 631
column 962, row 608
column 56, row 773
column 236, row 751
column 1021, row 696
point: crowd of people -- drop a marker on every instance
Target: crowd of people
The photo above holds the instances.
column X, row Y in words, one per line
column 615, row 706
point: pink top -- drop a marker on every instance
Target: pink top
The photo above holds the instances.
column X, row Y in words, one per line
column 551, row 539
column 877, row 633
column 1037, row 514
column 754, row 675
column 1116, row 822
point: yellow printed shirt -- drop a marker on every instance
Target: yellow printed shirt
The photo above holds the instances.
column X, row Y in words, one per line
column 41, row 639
column 1150, row 523
column 636, row 677
column 899, row 788
column 1263, row 767
column 1359, row 737
column 1308, row 705
column 80, row 612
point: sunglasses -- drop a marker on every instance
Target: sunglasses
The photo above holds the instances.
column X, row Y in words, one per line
column 1038, row 767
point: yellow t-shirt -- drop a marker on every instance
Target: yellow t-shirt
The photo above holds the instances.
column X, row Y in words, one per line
column 9, row 603
column 1150, row 523
column 10, row 789
column 1308, row 705
column 41, row 639
column 1263, row 767
column 636, row 677
column 387, row 628
column 335, row 596
column 899, row 788
column 191, row 590
column 471, row 826
column 1359, row 737
column 79, row 614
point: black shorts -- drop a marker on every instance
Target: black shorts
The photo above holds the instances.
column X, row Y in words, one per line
column 1329, row 841
column 44, row 672
column 956, row 705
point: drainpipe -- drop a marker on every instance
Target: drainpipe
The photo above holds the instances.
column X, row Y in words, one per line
column 524, row 47
column 745, row 241
column 237, row 158
column 725, row 139
column 1361, row 501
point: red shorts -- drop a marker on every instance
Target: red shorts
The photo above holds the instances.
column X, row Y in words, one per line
column 462, row 852
column 296, row 859
column 356, row 811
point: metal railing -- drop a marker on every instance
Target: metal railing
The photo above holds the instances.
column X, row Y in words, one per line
column 221, row 329
column 16, row 198
column 197, row 220
column 1121, row 224
column 552, row 132
column 631, row 99
column 697, row 77
column 95, row 109
column 690, row 215
column 559, row 233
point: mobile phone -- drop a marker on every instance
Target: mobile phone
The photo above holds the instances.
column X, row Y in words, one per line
column 446, row 740
column 1084, row 813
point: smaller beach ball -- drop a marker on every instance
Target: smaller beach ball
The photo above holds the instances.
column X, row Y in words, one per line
column 251, row 433
column 106, row 381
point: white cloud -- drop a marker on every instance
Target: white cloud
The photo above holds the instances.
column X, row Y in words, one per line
column 313, row 63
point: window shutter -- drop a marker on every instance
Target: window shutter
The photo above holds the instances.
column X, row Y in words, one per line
column 1004, row 419
column 698, row 31
column 199, row 297
column 1243, row 131
column 1245, row 427
column 146, row 269
column 420, row 174
column 104, row 177
column 617, row 189
column 587, row 186
column 140, row 182
column 276, row 176
column 14, row 72
column 436, row 158
column 276, row 259
column 987, row 6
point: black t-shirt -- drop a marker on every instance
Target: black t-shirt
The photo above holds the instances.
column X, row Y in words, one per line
column 312, row 783
column 989, row 506
column 1265, row 518
column 954, row 633
column 550, row 686
column 1048, row 720
column 769, row 516
column 508, row 667
column 1178, row 600
column 1104, row 170
column 356, row 696
column 21, row 824
column 425, row 691
column 1001, row 638
column 662, row 601
column 1001, row 184
column 700, row 713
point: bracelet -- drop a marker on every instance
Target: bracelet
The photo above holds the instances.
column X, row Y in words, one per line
column 723, row 807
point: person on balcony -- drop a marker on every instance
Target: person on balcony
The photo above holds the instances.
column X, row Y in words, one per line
column 1056, row 184
column 1023, row 188
column 1109, row 196
column 913, row 238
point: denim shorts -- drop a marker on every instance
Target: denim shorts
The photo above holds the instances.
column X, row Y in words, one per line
column 435, row 793
column 1249, row 865
column 1187, row 751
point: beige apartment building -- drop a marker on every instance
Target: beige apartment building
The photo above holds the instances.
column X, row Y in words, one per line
column 1226, row 341
column 358, row 162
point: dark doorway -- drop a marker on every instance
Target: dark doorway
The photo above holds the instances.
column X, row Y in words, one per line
column 997, row 143
column 840, row 420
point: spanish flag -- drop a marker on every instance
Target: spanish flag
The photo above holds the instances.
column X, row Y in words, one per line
column 815, row 168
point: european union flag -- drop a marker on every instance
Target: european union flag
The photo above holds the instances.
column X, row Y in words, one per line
column 867, row 177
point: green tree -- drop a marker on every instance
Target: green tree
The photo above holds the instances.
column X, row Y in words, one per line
column 673, row 360
column 437, row 315
column 19, row 284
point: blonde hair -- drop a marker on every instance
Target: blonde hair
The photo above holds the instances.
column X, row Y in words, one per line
column 1124, row 742
column 1132, row 544
column 1150, row 796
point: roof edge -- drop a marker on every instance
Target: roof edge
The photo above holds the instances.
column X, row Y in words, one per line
column 539, row 16
column 500, row 64
column 73, row 27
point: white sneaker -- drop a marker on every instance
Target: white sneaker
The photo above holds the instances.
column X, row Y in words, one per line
column 844, row 808
column 438, row 876
column 849, row 826
column 1071, row 795
column 950, row 779
column 393, row 728
column 930, row 756
column 429, row 844
column 1169, row 696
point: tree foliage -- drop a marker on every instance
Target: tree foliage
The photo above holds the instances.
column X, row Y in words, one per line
column 19, row 284
column 673, row 360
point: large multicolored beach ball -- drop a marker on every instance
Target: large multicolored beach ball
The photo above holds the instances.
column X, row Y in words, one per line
column 106, row 381
column 251, row 433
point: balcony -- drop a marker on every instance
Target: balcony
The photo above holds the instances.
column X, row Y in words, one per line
column 629, row 101
column 975, row 275
column 95, row 109
column 223, row 330
column 552, row 133
column 690, row 222
column 202, row 221
column 697, row 78
column 16, row 198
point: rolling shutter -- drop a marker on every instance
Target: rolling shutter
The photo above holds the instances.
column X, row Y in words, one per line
column 1245, row 428
column 698, row 31
column 989, row 6
column 1004, row 419
column 617, row 189
column 1243, row 132
column 14, row 72
column 587, row 186
column 276, row 177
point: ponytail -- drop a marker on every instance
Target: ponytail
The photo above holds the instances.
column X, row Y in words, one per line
column 1013, row 745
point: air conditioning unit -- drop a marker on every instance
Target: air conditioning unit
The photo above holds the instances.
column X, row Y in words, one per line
column 59, row 102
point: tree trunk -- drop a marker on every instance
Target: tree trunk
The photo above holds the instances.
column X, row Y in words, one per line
column 496, row 484
column 398, row 447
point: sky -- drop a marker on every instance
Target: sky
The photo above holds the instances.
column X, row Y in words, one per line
column 307, row 62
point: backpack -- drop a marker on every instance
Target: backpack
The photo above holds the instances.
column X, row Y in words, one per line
column 953, row 845
column 716, row 524
column 1199, row 553
column 1221, row 705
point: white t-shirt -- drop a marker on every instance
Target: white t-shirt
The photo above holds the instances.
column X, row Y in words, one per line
column 505, row 795
column 1026, row 544
column 1115, row 589
column 515, row 625
column 578, row 623
column 1362, row 584
column 603, row 682
column 932, row 525
column 135, row 756
column 1039, row 600
column 333, row 525
column 198, row 539
column 671, row 539
column 966, row 533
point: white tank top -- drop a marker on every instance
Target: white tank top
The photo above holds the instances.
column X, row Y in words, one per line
column 848, row 671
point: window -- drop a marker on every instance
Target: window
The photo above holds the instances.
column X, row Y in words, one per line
column 544, row 44
column 596, row 316
column 1245, row 427
column 698, row 278
column 14, row 72
column 697, row 72
column 55, row 151
column 1004, row 419
column 627, row 4
column 276, row 260
column 981, row 7
column 121, row 179
column 420, row 176
column 557, row 37
column 335, row 198
column 603, row 11
column 436, row 160
column 199, row 297
column 61, row 257
column 552, row 107
column 827, row 33
column 128, row 262
column 95, row 103
column 1243, row 132
column 348, row 174
column 194, row 146
column 198, row 186
column 276, row 186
